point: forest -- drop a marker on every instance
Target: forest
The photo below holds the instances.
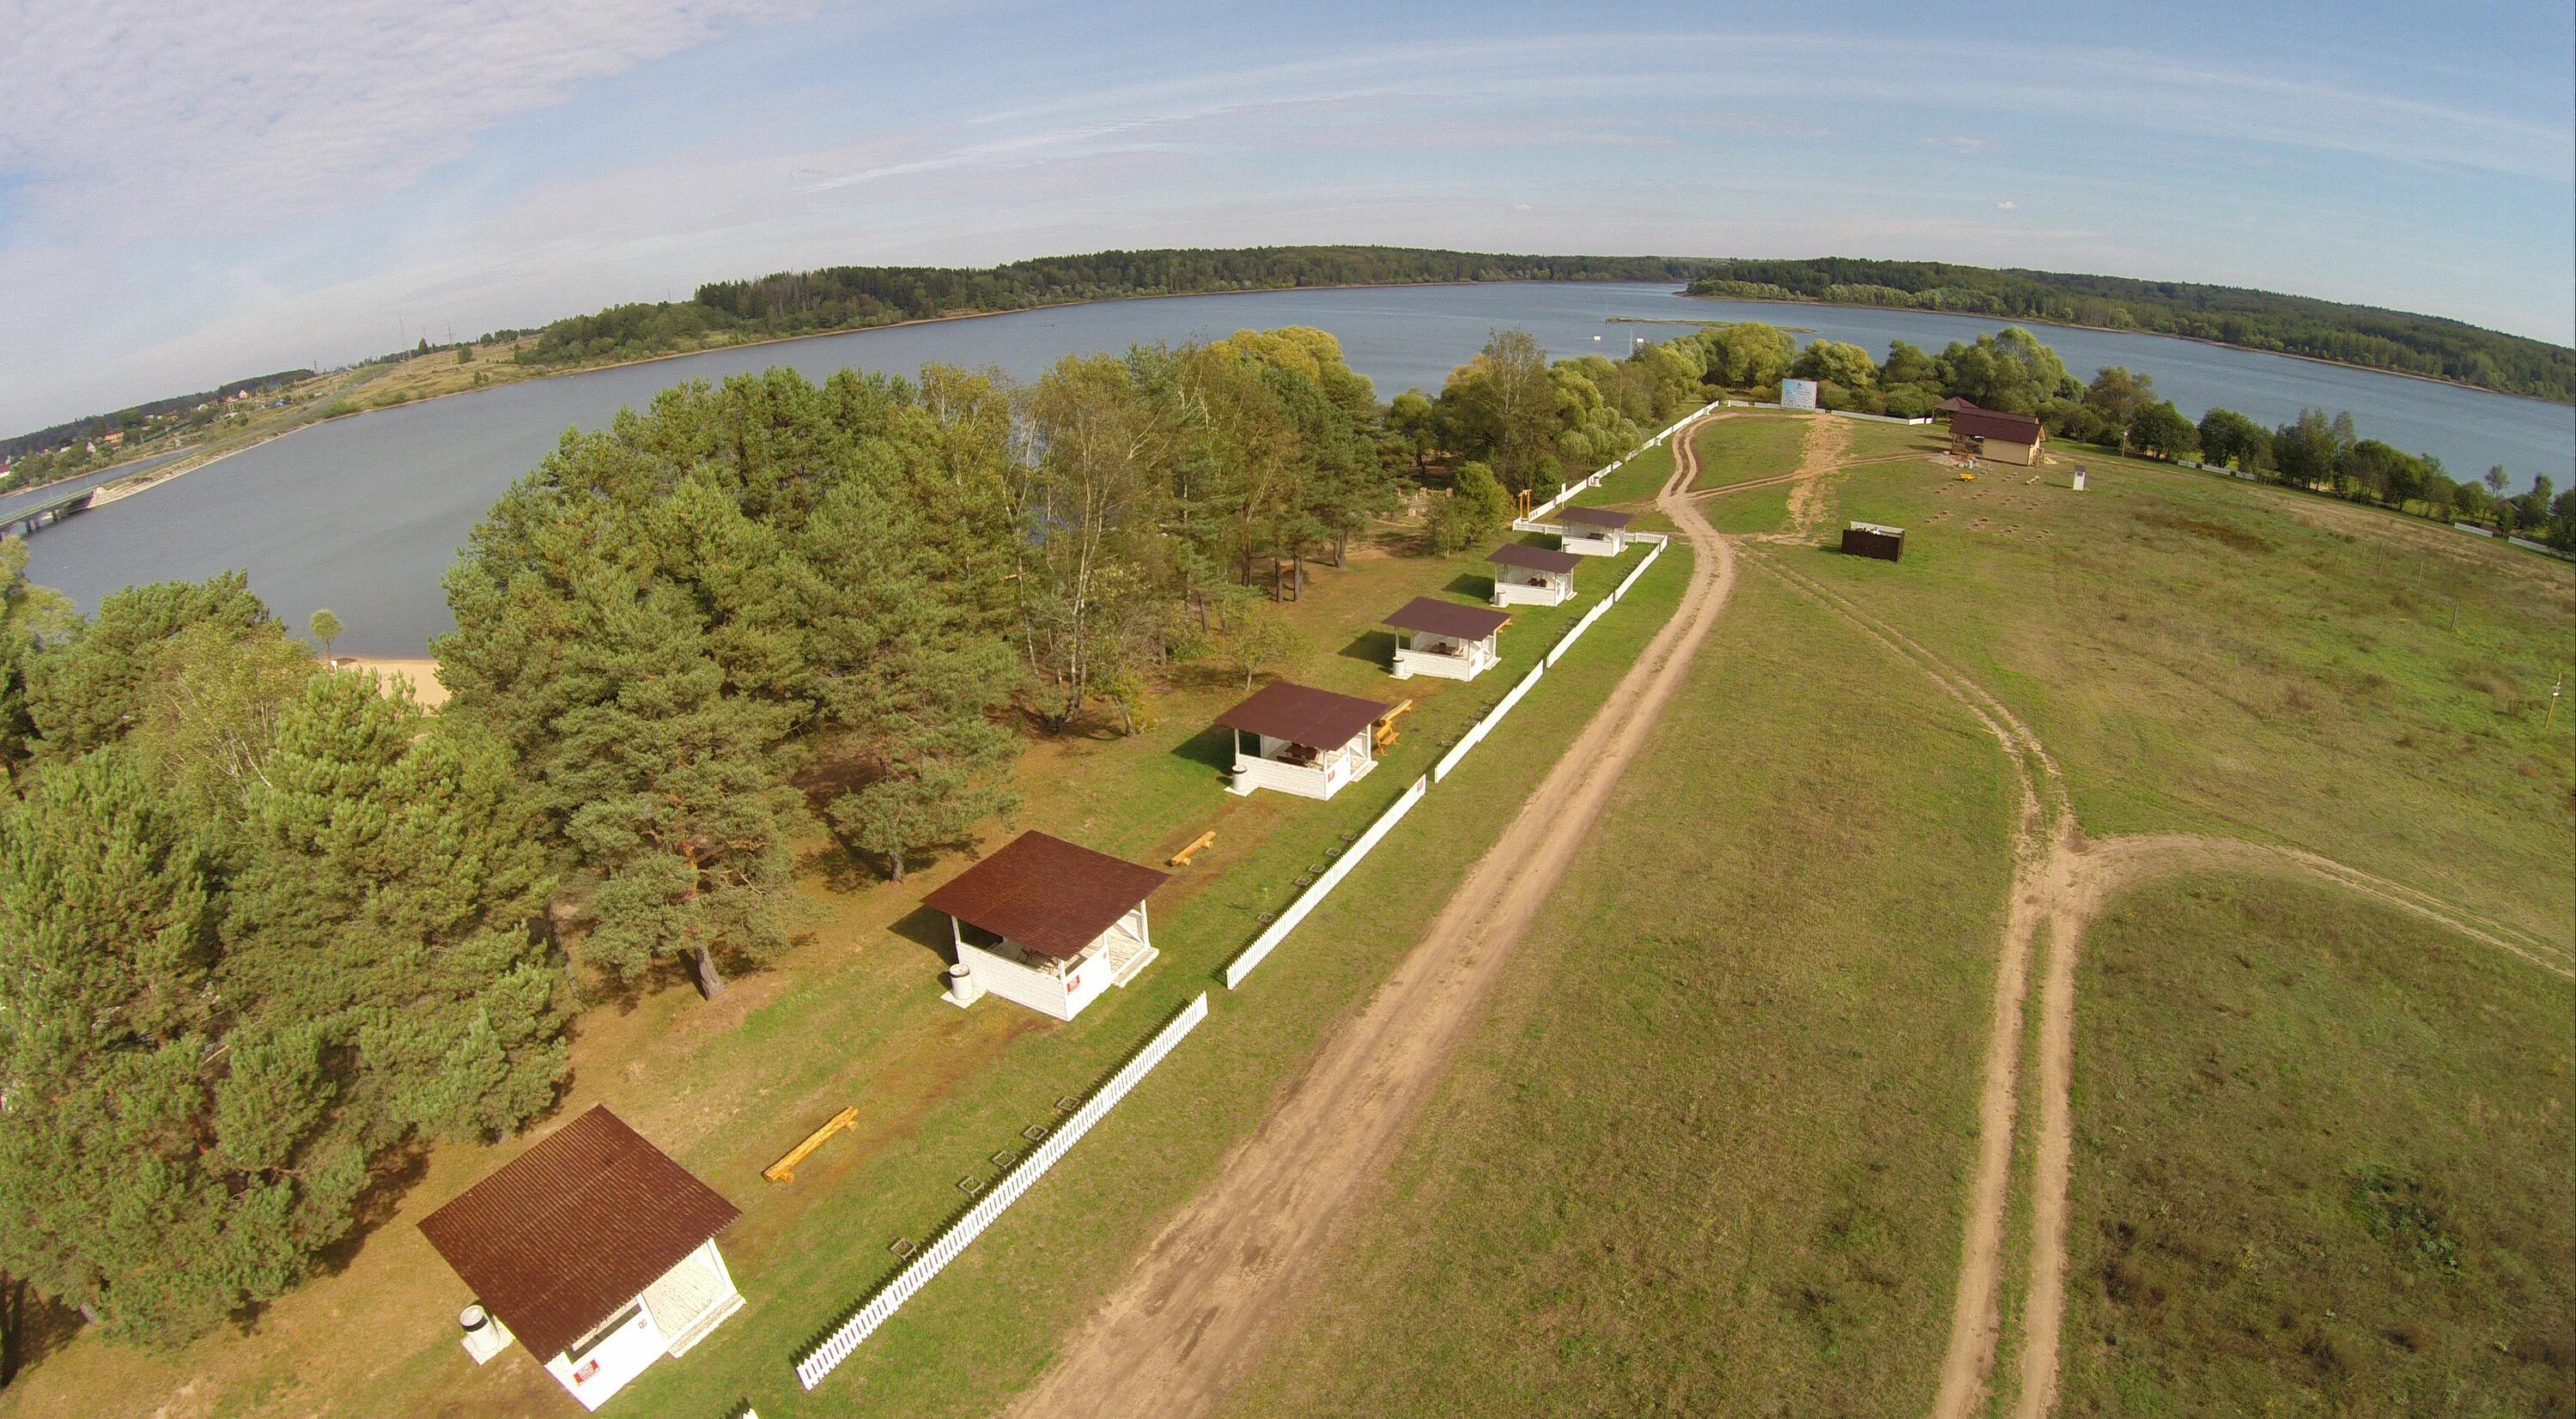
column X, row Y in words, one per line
column 2257, row 320
column 852, row 297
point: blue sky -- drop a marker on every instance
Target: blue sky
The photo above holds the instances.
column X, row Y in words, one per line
column 193, row 190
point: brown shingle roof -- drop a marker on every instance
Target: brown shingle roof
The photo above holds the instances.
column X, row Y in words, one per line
column 1537, row 559
column 1318, row 719
column 1047, row 894
column 1448, row 618
column 1953, row 405
column 1595, row 516
column 568, row 1232
column 1987, row 423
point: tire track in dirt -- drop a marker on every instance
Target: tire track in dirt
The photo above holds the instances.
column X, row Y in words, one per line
column 1223, row 1275
column 1822, row 453
column 2061, row 881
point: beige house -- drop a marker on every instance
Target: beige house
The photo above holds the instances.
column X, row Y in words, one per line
column 2003, row 438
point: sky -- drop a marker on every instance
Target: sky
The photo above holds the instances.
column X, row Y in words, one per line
column 198, row 190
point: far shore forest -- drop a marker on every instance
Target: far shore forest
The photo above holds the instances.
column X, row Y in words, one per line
column 789, row 304
column 264, row 929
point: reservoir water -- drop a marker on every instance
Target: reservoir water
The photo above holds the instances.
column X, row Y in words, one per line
column 364, row 514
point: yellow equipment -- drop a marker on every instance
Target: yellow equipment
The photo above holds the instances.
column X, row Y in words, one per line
column 1197, row 845
column 1386, row 730
column 1967, row 477
column 784, row 1170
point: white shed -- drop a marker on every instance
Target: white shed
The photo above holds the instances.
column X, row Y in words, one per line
column 1301, row 740
column 592, row 1249
column 1593, row 532
column 1047, row 924
column 1532, row 576
column 1443, row 638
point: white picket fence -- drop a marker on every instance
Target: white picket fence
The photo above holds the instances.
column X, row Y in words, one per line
column 1322, row 887
column 836, row 1347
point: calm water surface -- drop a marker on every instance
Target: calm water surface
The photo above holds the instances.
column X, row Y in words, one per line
column 364, row 514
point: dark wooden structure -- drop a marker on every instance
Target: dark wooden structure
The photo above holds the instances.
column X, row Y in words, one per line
column 1871, row 539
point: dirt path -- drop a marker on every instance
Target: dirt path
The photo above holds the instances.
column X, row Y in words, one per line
column 1809, row 507
column 2079, row 884
column 1187, row 1322
column 2061, row 882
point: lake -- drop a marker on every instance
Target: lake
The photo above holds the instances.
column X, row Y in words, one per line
column 364, row 514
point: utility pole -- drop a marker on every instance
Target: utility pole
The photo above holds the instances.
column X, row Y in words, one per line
column 2554, row 690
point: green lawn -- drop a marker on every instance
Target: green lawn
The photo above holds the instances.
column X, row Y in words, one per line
column 1706, row 1155
column 1748, row 446
column 1753, row 510
column 2205, row 655
column 853, row 1018
column 2323, row 1164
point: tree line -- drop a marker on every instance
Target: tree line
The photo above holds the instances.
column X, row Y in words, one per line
column 2013, row 371
column 854, row 297
column 2256, row 320
column 265, row 932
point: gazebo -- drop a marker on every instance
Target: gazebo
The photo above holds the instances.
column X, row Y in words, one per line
column 1446, row 639
column 1532, row 576
column 1047, row 924
column 1594, row 532
column 1302, row 740
column 592, row 1249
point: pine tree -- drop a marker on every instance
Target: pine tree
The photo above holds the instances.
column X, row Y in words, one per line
column 393, row 874
column 160, row 1169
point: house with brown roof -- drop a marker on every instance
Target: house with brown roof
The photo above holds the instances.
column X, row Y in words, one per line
column 1593, row 532
column 1443, row 638
column 592, row 1249
column 1302, row 740
column 2005, row 438
column 1532, row 576
column 1047, row 924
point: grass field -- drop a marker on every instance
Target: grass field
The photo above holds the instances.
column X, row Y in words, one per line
column 1748, row 446
column 853, row 1018
column 1753, row 510
column 1704, row 1157
column 2205, row 655
column 2324, row 1164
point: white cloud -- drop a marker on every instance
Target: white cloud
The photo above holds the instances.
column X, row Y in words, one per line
column 2007, row 206
column 1958, row 143
column 221, row 119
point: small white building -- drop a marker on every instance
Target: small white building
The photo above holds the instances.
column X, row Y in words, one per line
column 1301, row 740
column 1532, row 576
column 1046, row 924
column 1593, row 532
column 1446, row 639
column 592, row 1249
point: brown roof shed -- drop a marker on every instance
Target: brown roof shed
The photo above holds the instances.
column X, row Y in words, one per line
column 1318, row 719
column 1987, row 423
column 1047, row 894
column 1537, row 559
column 562, row 1236
column 1448, row 618
column 1596, row 517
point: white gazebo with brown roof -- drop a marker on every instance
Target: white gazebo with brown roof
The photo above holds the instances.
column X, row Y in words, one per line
column 1443, row 638
column 1047, row 924
column 1592, row 531
column 1532, row 576
column 592, row 1249
column 1302, row 740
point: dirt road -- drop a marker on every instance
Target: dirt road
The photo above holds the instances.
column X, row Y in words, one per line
column 1186, row 1324
column 2061, row 882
